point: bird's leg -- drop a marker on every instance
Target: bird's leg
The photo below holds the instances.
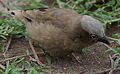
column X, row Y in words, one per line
column 46, row 54
column 76, row 58
column 35, row 54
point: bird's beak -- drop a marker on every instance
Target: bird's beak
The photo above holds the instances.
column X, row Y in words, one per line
column 104, row 40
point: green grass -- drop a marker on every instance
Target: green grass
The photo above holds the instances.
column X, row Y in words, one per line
column 11, row 27
column 19, row 66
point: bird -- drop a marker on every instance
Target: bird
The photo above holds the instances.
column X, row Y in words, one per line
column 61, row 31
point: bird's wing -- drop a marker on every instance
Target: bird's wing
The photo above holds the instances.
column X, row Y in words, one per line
column 60, row 18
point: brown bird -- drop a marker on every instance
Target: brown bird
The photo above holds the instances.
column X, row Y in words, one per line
column 61, row 31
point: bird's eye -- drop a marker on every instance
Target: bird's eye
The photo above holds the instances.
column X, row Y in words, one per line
column 93, row 36
column 12, row 13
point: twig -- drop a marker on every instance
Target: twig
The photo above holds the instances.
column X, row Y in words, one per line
column 91, row 2
column 110, row 38
column 2, row 66
column 7, row 59
column 8, row 45
column 59, row 4
column 76, row 58
column 4, row 5
column 114, row 20
column 107, row 46
column 112, row 65
column 35, row 54
column 114, row 40
column 105, row 71
column 75, row 4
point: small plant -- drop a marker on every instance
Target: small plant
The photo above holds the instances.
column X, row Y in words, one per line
column 20, row 66
column 11, row 27
column 117, row 35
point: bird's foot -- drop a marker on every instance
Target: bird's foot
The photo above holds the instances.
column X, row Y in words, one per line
column 35, row 55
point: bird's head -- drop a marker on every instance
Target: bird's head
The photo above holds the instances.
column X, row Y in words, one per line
column 22, row 15
column 16, row 14
column 94, row 28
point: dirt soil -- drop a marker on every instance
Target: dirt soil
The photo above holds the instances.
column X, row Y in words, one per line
column 94, row 60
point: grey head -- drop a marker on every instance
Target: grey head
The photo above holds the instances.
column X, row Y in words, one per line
column 94, row 28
